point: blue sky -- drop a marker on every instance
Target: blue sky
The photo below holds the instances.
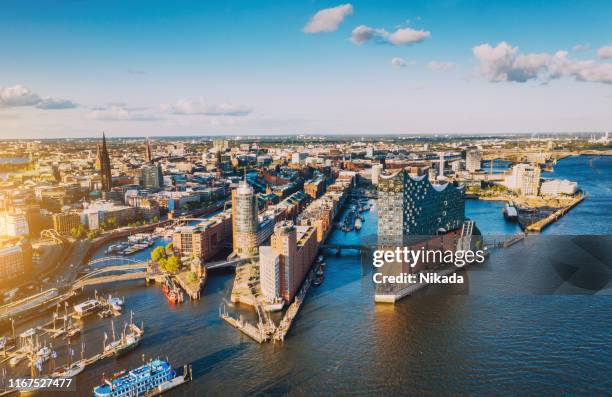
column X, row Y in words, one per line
column 75, row 68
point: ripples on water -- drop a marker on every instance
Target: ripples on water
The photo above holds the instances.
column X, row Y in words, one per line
column 510, row 330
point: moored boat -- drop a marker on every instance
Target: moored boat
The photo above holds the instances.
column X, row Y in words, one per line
column 86, row 308
column 510, row 212
column 151, row 379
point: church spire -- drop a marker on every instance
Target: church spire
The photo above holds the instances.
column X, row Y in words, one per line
column 148, row 153
column 105, row 166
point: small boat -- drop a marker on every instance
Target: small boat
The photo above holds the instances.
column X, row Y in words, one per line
column 318, row 281
column 105, row 313
column 322, row 265
column 510, row 212
column 358, row 223
column 72, row 332
column 172, row 296
column 115, row 303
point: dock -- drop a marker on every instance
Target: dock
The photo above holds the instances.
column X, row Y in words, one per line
column 256, row 333
column 543, row 223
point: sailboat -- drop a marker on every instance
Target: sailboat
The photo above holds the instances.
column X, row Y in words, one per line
column 71, row 369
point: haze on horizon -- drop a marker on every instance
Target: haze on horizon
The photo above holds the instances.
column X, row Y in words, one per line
column 74, row 69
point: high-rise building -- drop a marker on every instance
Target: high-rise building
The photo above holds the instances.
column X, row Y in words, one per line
column 525, row 179
column 148, row 153
column 441, row 169
column 410, row 206
column 244, row 220
column 473, row 159
column 103, row 165
column 151, row 176
column 286, row 262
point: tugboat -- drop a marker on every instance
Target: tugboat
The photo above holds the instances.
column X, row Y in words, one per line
column 174, row 296
column 151, row 379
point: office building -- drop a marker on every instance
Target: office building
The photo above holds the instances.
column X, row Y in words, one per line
column 473, row 159
column 13, row 224
column 205, row 239
column 15, row 259
column 64, row 222
column 151, row 177
column 245, row 220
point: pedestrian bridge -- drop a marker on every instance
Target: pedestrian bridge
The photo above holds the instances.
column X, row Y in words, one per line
column 339, row 247
column 226, row 264
column 123, row 269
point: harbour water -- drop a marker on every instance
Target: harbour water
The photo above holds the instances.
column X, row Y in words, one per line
column 506, row 331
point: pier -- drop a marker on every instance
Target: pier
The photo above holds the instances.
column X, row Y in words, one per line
column 543, row 223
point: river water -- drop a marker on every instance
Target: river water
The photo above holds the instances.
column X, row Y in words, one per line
column 515, row 327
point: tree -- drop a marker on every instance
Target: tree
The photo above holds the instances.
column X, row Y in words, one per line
column 169, row 247
column 155, row 219
column 191, row 277
column 158, row 253
column 93, row 234
column 78, row 232
column 173, row 264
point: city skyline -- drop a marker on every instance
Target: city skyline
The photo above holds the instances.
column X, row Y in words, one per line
column 76, row 69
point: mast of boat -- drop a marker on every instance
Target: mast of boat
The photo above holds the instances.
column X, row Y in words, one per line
column 113, row 329
column 82, row 350
column 52, row 356
column 69, row 354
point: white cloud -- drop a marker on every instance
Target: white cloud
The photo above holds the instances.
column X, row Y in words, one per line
column 407, row 36
column 605, row 52
column 504, row 63
column 362, row 34
column 119, row 112
column 402, row 36
column 328, row 19
column 199, row 107
column 440, row 65
column 19, row 95
column 398, row 62
column 581, row 47
column 55, row 103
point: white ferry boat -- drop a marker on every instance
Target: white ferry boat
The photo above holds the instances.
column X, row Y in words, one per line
column 86, row 308
column 151, row 379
